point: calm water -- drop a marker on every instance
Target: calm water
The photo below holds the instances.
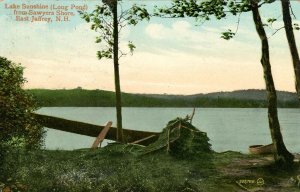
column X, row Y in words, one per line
column 228, row 129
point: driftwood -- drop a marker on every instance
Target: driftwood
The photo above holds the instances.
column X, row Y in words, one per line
column 94, row 130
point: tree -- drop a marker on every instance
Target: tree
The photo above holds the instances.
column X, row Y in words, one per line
column 17, row 125
column 281, row 155
column 219, row 8
column 285, row 4
column 108, row 23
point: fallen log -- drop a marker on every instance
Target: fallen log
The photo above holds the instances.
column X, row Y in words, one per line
column 94, row 130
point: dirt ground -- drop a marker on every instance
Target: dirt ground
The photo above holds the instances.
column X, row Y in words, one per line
column 258, row 173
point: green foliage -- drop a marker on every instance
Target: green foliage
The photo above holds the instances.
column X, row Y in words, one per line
column 236, row 7
column 201, row 10
column 102, row 23
column 136, row 14
column 296, row 26
column 99, row 98
column 131, row 46
column 101, row 19
column 204, row 10
column 17, row 125
column 181, row 139
column 105, row 54
column 271, row 20
column 191, row 141
column 228, row 34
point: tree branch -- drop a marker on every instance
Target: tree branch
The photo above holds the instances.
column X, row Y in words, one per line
column 276, row 32
column 122, row 54
column 106, row 22
column 292, row 12
column 238, row 23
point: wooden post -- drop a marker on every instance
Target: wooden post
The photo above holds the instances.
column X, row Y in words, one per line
column 101, row 135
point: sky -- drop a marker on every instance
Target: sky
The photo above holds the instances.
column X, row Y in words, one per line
column 173, row 56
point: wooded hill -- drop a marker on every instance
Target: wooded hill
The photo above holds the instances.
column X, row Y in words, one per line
column 100, row 98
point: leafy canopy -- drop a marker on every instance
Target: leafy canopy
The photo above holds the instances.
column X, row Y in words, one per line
column 204, row 10
column 102, row 23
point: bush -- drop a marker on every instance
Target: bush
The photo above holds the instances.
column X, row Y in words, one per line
column 181, row 139
column 17, row 124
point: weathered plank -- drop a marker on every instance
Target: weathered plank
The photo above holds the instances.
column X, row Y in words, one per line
column 101, row 135
column 93, row 130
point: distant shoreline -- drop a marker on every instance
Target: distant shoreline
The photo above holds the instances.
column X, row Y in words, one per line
column 99, row 98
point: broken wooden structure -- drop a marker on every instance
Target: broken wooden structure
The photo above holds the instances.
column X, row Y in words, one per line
column 131, row 136
column 98, row 141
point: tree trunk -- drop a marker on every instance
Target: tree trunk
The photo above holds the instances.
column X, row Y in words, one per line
column 281, row 154
column 116, row 71
column 292, row 42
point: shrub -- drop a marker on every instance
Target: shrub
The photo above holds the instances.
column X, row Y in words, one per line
column 17, row 124
column 181, row 139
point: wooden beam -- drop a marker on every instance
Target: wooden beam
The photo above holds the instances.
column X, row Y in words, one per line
column 101, row 135
column 143, row 140
column 93, row 130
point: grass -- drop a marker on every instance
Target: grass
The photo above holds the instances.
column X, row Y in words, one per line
column 117, row 168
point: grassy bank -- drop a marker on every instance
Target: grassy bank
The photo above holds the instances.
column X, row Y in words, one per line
column 116, row 168
column 99, row 98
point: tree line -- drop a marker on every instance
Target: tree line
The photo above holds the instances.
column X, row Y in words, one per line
column 100, row 98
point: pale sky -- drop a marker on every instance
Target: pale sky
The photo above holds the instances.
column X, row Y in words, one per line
column 173, row 55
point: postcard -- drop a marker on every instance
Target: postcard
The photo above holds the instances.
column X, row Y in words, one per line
column 149, row 95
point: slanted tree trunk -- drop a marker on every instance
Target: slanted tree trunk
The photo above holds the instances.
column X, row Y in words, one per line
column 116, row 71
column 292, row 42
column 281, row 154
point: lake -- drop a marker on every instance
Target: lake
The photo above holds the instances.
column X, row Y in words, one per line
column 228, row 128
